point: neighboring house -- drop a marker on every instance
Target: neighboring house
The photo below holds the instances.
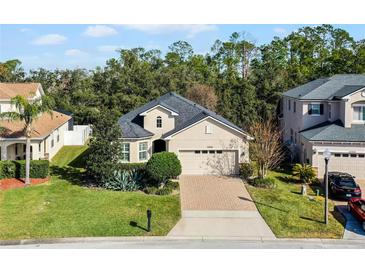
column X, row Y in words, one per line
column 49, row 131
column 204, row 141
column 327, row 113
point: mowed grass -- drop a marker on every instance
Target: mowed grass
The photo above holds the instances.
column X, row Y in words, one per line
column 62, row 209
column 70, row 155
column 291, row 215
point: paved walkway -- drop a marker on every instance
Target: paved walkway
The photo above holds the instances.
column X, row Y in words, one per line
column 216, row 206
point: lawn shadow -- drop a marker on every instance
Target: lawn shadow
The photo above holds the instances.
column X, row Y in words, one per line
column 259, row 203
column 310, row 219
column 286, row 179
column 135, row 224
column 80, row 160
column 71, row 174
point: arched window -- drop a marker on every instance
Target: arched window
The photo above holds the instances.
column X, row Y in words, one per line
column 159, row 121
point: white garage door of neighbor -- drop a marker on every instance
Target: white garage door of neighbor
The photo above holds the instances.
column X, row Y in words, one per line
column 212, row 161
column 344, row 162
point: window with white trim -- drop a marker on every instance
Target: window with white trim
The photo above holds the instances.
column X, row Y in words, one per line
column 159, row 122
column 142, row 151
column 126, row 152
column 358, row 113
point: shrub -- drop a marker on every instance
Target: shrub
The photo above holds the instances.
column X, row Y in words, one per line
column 150, row 190
column 246, row 170
column 172, row 184
column 305, row 173
column 16, row 169
column 263, row 182
column 132, row 166
column 7, row 169
column 164, row 191
column 38, row 168
column 163, row 166
column 123, row 180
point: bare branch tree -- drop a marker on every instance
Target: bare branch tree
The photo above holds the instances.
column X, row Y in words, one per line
column 203, row 95
column 266, row 148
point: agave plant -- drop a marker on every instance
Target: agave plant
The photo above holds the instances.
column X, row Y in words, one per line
column 123, row 180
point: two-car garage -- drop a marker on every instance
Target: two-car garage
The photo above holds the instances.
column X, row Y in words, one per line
column 209, row 161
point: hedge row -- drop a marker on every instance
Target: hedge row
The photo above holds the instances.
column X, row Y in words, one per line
column 16, row 169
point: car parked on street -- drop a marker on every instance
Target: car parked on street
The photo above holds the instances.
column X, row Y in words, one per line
column 343, row 186
column 357, row 207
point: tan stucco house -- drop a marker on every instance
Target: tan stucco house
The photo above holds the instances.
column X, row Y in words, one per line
column 204, row 141
column 49, row 131
column 327, row 113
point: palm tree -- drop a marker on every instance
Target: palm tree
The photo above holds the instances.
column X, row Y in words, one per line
column 28, row 112
column 306, row 175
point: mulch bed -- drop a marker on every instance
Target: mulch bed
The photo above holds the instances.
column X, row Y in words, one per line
column 11, row 183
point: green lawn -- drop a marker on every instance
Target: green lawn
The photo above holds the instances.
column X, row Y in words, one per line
column 70, row 155
column 289, row 214
column 62, row 208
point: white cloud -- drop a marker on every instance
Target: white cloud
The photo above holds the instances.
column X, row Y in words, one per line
column 190, row 29
column 281, row 31
column 75, row 52
column 108, row 48
column 99, row 31
column 49, row 39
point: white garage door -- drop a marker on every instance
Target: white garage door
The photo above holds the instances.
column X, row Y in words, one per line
column 344, row 162
column 217, row 162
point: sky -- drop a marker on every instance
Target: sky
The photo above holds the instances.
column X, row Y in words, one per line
column 88, row 46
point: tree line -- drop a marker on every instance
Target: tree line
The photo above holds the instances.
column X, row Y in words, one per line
column 236, row 78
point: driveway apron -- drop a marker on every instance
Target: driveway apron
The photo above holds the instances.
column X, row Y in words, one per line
column 218, row 207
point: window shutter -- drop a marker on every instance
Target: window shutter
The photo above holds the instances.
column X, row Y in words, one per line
column 321, row 109
column 310, row 109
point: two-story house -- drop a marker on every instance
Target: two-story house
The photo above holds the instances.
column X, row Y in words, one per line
column 50, row 132
column 327, row 113
column 205, row 142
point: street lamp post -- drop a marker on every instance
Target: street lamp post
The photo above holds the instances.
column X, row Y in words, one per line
column 327, row 156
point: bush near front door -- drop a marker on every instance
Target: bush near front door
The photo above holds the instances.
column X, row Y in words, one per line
column 16, row 169
column 163, row 166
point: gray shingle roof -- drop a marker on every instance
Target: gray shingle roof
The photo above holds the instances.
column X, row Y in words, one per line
column 335, row 131
column 337, row 86
column 189, row 113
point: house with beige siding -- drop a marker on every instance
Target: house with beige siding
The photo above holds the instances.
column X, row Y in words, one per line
column 50, row 131
column 205, row 142
column 327, row 113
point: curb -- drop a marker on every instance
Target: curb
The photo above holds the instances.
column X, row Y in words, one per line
column 167, row 238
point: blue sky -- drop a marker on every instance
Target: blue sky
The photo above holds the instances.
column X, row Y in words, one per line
column 87, row 46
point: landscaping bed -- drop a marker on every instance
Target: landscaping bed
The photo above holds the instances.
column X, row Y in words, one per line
column 11, row 183
column 291, row 215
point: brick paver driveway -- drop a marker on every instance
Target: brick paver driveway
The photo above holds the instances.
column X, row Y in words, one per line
column 214, row 193
column 215, row 206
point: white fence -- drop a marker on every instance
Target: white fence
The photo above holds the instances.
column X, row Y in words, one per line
column 78, row 136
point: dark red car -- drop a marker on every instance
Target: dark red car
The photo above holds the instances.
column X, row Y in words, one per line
column 357, row 207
